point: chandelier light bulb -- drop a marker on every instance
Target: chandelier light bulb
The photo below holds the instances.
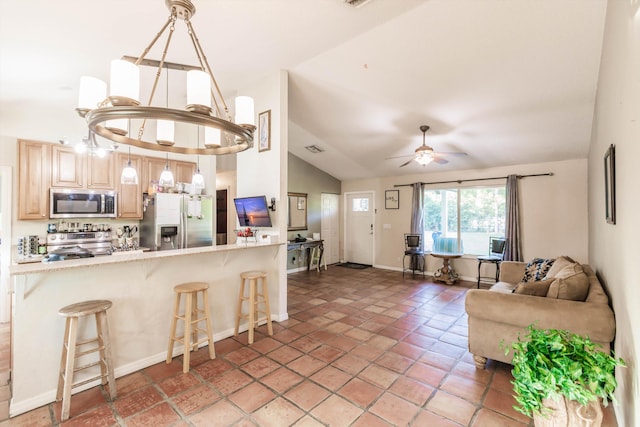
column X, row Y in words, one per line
column 165, row 132
column 80, row 148
column 244, row 111
column 424, row 159
column 100, row 152
column 198, row 88
column 212, row 137
column 92, row 92
column 125, row 80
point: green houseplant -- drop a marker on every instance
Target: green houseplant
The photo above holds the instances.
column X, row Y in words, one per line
column 555, row 369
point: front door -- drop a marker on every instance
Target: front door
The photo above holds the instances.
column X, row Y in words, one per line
column 359, row 228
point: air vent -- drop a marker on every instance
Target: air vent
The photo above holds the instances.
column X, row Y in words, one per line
column 357, row 3
column 314, row 149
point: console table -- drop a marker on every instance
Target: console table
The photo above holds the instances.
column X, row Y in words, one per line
column 307, row 246
column 446, row 273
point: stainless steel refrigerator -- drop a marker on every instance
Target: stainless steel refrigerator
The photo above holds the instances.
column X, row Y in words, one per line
column 176, row 221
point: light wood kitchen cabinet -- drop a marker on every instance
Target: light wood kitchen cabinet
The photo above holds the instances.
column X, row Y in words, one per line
column 129, row 196
column 183, row 171
column 153, row 167
column 33, row 179
column 100, row 172
column 67, row 167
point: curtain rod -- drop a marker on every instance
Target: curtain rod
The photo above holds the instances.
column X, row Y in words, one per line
column 460, row 181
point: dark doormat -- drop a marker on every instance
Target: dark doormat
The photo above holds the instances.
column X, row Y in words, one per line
column 353, row 265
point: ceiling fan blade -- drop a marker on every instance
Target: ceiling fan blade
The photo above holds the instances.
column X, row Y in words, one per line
column 398, row 157
column 451, row 153
column 406, row 163
column 439, row 160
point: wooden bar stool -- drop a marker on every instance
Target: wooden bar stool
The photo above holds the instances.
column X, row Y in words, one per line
column 254, row 299
column 191, row 320
column 70, row 351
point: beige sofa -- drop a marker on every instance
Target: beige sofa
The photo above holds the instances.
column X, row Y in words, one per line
column 498, row 314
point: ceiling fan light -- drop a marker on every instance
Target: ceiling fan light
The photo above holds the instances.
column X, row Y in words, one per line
column 424, row 159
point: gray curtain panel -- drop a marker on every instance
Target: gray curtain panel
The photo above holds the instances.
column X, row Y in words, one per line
column 512, row 249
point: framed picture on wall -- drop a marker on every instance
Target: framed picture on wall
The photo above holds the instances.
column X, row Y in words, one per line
column 392, row 199
column 610, row 184
column 264, row 131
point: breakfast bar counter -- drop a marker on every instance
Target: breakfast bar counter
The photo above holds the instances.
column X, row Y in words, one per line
column 140, row 285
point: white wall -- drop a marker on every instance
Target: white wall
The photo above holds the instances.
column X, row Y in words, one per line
column 614, row 251
column 265, row 172
column 553, row 211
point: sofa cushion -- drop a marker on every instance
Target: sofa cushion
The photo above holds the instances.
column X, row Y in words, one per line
column 570, row 283
column 559, row 263
column 539, row 288
column 537, row 269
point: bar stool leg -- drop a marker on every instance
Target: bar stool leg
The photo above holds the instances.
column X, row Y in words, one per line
column 265, row 296
column 194, row 320
column 252, row 308
column 63, row 361
column 69, row 364
column 104, row 340
column 239, row 313
column 172, row 334
column 186, row 355
column 212, row 350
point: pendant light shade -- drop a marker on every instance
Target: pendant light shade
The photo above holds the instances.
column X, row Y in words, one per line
column 212, row 137
column 198, row 88
column 92, row 92
column 129, row 175
column 166, row 177
column 197, row 181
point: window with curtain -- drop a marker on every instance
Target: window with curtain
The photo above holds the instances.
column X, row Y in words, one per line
column 469, row 215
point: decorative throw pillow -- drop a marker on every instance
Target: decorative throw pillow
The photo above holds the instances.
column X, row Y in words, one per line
column 539, row 288
column 570, row 283
column 560, row 263
column 537, row 269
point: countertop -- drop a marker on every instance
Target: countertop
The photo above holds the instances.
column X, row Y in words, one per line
column 43, row 267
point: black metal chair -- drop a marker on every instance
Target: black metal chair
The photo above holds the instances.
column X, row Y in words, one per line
column 496, row 254
column 413, row 250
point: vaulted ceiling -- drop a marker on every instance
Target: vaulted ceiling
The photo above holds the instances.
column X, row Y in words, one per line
column 507, row 82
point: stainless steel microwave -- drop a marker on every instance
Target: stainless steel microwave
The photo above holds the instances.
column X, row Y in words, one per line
column 78, row 203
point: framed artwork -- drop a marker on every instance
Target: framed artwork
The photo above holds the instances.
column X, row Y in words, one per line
column 610, row 184
column 264, row 131
column 392, row 199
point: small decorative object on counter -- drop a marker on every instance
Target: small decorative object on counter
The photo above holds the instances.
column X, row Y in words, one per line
column 246, row 235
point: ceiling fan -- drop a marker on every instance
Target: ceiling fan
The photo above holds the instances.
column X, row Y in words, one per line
column 425, row 154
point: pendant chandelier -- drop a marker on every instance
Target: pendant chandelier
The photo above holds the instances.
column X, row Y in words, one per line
column 108, row 116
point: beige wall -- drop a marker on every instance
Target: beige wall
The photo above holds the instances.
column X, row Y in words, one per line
column 553, row 211
column 613, row 249
column 306, row 178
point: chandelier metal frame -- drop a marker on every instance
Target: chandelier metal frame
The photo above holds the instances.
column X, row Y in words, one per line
column 238, row 137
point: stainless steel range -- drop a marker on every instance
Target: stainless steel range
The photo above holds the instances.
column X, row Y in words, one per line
column 97, row 242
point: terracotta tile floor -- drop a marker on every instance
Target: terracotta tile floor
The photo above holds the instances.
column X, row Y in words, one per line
column 361, row 348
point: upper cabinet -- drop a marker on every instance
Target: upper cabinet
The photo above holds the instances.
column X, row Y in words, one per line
column 100, row 172
column 43, row 165
column 34, row 179
column 67, row 168
column 153, row 167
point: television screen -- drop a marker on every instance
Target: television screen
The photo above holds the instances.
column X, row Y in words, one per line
column 253, row 211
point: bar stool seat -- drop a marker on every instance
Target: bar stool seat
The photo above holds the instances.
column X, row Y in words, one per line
column 70, row 351
column 190, row 338
column 254, row 299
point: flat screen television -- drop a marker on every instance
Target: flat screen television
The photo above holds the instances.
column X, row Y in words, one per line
column 253, row 211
